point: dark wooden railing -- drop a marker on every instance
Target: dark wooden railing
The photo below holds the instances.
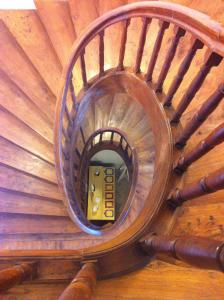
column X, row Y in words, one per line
column 179, row 32
column 204, row 33
column 215, row 138
column 163, row 26
column 208, row 184
column 196, row 251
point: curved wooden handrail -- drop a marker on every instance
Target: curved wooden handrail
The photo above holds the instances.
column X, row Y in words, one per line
column 203, row 29
column 199, row 24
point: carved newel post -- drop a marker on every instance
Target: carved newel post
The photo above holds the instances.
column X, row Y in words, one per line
column 82, row 286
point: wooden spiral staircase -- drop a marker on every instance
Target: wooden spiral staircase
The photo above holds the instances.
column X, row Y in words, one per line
column 151, row 75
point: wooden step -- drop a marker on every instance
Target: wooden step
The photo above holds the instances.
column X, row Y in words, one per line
column 13, row 59
column 14, row 180
column 61, row 33
column 14, row 203
column 31, row 224
column 102, row 111
column 20, row 134
column 118, row 109
column 19, row 159
column 18, row 104
column 28, row 30
column 82, row 14
column 133, row 115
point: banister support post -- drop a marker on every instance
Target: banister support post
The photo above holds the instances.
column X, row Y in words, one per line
column 208, row 184
column 82, row 285
column 197, row 251
column 17, row 274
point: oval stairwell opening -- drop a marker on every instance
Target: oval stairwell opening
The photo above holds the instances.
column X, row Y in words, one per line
column 116, row 115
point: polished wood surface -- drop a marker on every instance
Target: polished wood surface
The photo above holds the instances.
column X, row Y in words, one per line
column 120, row 66
column 201, row 115
column 202, row 216
column 179, row 32
column 196, row 251
column 215, row 138
column 157, row 45
column 82, row 285
column 196, row 44
column 207, row 184
column 16, row 275
column 212, row 59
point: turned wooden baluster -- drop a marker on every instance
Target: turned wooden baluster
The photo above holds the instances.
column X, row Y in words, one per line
column 120, row 66
column 78, row 153
column 145, row 23
column 214, row 139
column 163, row 26
column 197, row 251
column 65, row 133
column 208, row 184
column 182, row 71
column 179, row 32
column 83, row 69
column 65, row 153
column 121, row 141
column 101, row 53
column 82, row 286
column 82, row 135
column 74, row 99
column 201, row 115
column 112, row 137
column 101, row 138
column 17, row 274
column 68, row 116
column 212, row 59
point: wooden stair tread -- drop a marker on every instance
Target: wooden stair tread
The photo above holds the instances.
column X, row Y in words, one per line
column 27, row 28
column 118, row 109
column 27, row 224
column 82, row 14
column 61, row 33
column 13, row 59
column 19, row 159
column 29, row 139
column 17, row 181
column 15, row 101
column 24, row 204
column 102, row 111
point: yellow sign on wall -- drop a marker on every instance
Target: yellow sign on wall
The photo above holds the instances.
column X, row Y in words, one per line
column 101, row 193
